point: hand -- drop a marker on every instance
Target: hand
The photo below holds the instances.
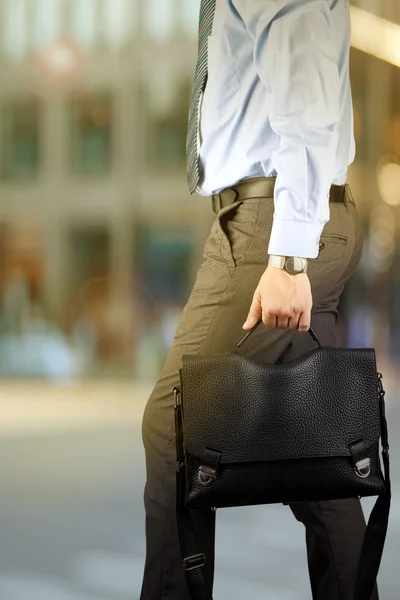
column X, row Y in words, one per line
column 283, row 301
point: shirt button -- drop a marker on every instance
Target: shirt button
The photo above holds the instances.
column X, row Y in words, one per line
column 321, row 246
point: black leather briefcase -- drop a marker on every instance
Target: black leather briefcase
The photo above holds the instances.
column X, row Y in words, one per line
column 249, row 433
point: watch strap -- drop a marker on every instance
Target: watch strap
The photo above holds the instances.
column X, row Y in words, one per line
column 280, row 262
column 277, row 261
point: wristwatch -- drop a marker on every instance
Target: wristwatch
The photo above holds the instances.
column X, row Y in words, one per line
column 292, row 264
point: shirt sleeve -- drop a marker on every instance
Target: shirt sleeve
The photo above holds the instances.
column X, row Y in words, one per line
column 296, row 59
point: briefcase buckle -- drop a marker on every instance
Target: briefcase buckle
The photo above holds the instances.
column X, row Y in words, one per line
column 197, row 561
column 363, row 468
column 206, row 475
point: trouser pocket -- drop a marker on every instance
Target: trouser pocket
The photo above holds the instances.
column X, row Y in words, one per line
column 236, row 224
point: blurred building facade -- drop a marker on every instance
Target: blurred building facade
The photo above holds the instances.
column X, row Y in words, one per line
column 94, row 208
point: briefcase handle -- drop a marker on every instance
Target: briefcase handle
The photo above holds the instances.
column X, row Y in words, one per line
column 310, row 331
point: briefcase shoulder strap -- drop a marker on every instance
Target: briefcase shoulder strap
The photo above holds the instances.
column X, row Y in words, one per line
column 375, row 535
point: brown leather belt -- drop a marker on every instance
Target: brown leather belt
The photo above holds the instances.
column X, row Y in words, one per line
column 262, row 187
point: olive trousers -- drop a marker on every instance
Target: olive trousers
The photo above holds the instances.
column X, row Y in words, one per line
column 235, row 256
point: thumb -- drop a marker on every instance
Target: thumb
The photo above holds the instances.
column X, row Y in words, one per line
column 255, row 312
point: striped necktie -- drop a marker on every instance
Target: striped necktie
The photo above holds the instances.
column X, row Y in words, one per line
column 207, row 11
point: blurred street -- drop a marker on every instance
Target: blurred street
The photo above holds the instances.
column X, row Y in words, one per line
column 71, row 512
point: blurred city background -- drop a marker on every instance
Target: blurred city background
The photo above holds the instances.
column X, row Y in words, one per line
column 99, row 246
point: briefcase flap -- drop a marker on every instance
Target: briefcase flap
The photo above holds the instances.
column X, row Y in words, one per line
column 311, row 407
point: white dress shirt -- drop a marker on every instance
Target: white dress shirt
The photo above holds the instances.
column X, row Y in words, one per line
column 278, row 102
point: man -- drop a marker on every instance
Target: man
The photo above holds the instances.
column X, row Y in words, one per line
column 270, row 138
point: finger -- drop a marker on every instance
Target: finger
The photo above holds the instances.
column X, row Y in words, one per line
column 269, row 320
column 305, row 320
column 282, row 322
column 294, row 321
column 254, row 312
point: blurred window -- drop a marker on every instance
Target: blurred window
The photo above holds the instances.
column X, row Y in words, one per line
column 89, row 254
column 394, row 297
column 48, row 25
column 20, row 138
column 14, row 31
column 393, row 137
column 375, row 7
column 91, row 125
column 391, row 11
column 189, row 16
column 359, row 83
column 164, row 260
column 118, row 21
column 166, row 125
column 84, row 15
column 396, row 91
column 160, row 19
column 395, row 7
column 393, row 134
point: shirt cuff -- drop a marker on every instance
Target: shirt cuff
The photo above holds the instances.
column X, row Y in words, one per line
column 295, row 238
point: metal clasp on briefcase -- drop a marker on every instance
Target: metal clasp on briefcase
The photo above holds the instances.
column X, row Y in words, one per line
column 206, row 475
column 207, row 472
column 363, row 468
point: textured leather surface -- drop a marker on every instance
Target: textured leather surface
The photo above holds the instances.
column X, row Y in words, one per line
column 278, row 481
column 311, row 407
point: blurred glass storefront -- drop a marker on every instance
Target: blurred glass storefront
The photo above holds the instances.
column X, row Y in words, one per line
column 20, row 143
column 100, row 240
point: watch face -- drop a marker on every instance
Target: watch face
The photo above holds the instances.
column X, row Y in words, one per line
column 294, row 265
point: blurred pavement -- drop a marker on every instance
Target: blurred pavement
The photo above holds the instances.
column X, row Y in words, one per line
column 71, row 511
